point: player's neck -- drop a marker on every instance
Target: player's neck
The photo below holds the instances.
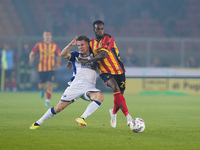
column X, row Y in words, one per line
column 85, row 54
column 98, row 37
column 47, row 42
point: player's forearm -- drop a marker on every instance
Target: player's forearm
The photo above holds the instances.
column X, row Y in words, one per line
column 59, row 59
column 102, row 55
column 65, row 52
column 31, row 57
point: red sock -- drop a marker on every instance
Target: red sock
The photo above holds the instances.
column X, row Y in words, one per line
column 116, row 107
column 120, row 103
column 48, row 94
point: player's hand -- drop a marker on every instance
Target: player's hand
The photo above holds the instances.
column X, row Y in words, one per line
column 58, row 65
column 81, row 60
column 74, row 42
column 31, row 60
column 69, row 65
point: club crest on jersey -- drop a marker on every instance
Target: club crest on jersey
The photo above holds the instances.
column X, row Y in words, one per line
column 108, row 77
column 97, row 50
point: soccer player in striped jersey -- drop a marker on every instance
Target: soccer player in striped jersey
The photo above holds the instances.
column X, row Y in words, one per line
column 111, row 68
column 46, row 67
column 83, row 85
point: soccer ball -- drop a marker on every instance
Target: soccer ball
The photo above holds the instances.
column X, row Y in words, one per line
column 137, row 125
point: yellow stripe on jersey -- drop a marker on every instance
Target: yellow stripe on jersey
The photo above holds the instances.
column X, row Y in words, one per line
column 49, row 56
column 45, row 58
column 53, row 54
column 102, row 68
column 113, row 58
column 109, row 65
column 40, row 57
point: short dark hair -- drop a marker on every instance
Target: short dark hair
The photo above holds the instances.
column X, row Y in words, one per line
column 83, row 37
column 47, row 31
column 97, row 22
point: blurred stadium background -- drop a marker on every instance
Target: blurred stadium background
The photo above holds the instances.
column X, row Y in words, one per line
column 161, row 36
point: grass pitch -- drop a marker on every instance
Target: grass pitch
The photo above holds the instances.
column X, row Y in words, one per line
column 172, row 122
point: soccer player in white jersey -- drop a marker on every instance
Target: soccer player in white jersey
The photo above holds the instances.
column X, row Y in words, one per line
column 82, row 86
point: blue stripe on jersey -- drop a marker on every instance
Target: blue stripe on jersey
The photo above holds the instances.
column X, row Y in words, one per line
column 53, row 111
column 74, row 55
column 97, row 102
column 74, row 67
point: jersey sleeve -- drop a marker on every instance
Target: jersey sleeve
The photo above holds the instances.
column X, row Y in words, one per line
column 73, row 56
column 35, row 49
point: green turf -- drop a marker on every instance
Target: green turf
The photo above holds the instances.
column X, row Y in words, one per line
column 172, row 122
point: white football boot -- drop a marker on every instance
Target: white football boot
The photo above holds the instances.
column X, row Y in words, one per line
column 113, row 120
column 129, row 119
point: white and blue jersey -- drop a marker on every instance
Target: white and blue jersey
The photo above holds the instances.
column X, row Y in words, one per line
column 84, row 78
column 83, row 71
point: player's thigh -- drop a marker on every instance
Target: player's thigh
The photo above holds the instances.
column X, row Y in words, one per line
column 110, row 81
column 121, row 80
column 50, row 76
column 72, row 93
column 42, row 77
column 117, row 82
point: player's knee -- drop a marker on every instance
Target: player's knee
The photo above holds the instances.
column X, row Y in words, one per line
column 58, row 109
column 41, row 86
column 96, row 96
column 100, row 97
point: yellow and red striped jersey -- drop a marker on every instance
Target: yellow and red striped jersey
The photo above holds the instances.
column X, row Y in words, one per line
column 47, row 53
column 112, row 63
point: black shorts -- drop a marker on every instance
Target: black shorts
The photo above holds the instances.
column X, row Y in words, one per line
column 46, row 76
column 121, row 79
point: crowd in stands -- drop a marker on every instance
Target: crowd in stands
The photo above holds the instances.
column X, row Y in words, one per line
column 123, row 18
column 128, row 18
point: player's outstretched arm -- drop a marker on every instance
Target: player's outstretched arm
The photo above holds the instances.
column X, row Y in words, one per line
column 58, row 64
column 102, row 55
column 65, row 52
column 31, row 57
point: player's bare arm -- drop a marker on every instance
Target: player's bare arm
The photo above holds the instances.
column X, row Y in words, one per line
column 31, row 57
column 102, row 55
column 65, row 52
column 69, row 65
column 58, row 61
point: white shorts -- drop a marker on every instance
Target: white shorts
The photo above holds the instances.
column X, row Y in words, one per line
column 75, row 91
